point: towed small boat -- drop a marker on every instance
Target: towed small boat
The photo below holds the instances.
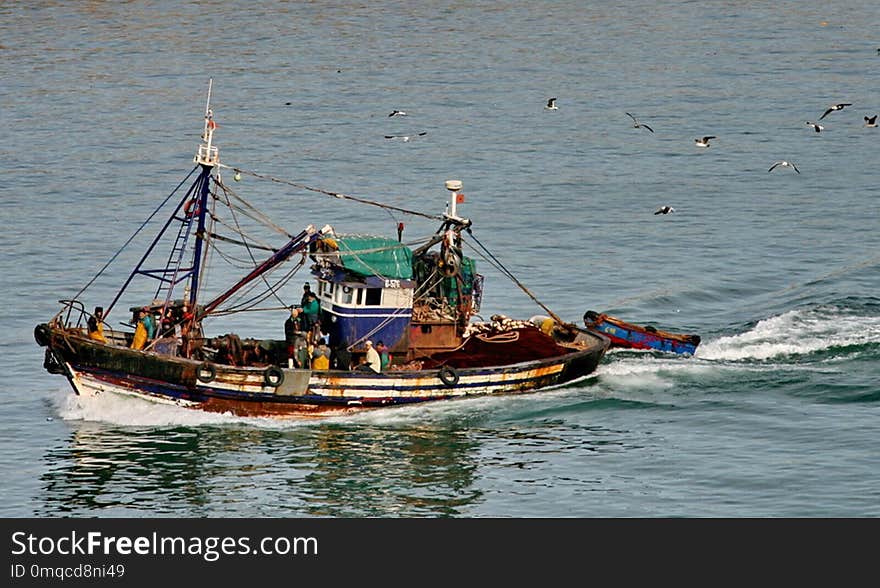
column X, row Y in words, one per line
column 626, row 335
column 417, row 298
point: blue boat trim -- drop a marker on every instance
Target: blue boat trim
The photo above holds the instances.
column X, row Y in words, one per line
column 630, row 336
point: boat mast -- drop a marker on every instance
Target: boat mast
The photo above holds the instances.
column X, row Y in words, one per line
column 208, row 156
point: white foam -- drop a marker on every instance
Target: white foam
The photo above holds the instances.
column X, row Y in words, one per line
column 136, row 412
column 795, row 332
column 648, row 371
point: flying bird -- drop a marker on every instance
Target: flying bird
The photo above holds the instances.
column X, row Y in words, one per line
column 784, row 164
column 704, row 142
column 664, row 210
column 397, row 113
column 834, row 107
column 817, row 128
column 551, row 104
column 406, row 138
column 637, row 124
column 871, row 121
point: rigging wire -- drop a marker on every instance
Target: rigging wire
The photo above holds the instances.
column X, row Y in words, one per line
column 498, row 265
column 135, row 234
column 237, row 242
column 246, row 245
column 258, row 298
column 336, row 194
column 251, row 211
column 254, row 242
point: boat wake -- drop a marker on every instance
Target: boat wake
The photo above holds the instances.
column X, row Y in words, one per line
column 798, row 333
column 130, row 411
column 807, row 338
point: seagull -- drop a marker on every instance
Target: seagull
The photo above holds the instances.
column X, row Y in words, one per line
column 834, row 107
column 817, row 128
column 784, row 164
column 664, row 210
column 397, row 113
column 406, row 138
column 637, row 124
column 551, row 104
column 871, row 121
column 704, row 142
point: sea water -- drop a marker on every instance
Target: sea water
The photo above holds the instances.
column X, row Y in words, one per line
column 777, row 414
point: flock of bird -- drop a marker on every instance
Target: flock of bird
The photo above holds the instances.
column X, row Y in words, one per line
column 870, row 121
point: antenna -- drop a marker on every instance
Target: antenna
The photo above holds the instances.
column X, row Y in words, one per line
column 208, row 154
column 208, row 103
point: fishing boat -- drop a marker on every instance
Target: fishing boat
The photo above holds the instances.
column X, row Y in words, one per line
column 626, row 335
column 420, row 299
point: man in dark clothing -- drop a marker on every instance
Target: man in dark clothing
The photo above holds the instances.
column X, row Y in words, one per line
column 307, row 289
column 341, row 357
column 310, row 310
column 293, row 326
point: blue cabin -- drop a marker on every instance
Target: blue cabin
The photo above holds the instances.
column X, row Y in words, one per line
column 417, row 302
column 365, row 288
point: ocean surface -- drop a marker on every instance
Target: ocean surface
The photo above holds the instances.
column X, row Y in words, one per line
column 777, row 414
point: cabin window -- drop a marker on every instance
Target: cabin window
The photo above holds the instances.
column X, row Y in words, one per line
column 360, row 296
column 374, row 297
column 327, row 290
column 346, row 295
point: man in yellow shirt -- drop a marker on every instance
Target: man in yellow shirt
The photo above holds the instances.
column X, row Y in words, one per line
column 140, row 332
column 321, row 362
column 96, row 325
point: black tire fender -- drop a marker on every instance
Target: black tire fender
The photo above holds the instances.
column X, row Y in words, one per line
column 206, row 372
column 42, row 334
column 273, row 376
column 448, row 375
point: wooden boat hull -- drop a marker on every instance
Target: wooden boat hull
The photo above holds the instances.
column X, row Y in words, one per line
column 93, row 368
column 625, row 335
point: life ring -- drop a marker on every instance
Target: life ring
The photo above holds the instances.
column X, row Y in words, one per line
column 448, row 375
column 206, row 372
column 273, row 376
column 191, row 208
